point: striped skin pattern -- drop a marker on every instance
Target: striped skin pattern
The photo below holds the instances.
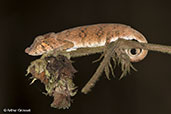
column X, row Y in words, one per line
column 87, row 36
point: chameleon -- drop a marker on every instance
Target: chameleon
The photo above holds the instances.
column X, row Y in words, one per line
column 88, row 36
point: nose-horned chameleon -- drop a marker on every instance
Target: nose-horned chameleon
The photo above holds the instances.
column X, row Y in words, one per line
column 88, row 36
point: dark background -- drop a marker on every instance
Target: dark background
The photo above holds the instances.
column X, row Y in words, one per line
column 147, row 91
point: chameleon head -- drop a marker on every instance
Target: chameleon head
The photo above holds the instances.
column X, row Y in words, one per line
column 34, row 50
column 39, row 46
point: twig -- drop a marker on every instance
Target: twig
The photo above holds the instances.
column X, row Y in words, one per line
column 99, row 70
column 126, row 44
column 122, row 44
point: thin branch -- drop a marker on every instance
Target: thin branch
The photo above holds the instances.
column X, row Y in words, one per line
column 125, row 44
column 121, row 44
column 112, row 48
column 99, row 70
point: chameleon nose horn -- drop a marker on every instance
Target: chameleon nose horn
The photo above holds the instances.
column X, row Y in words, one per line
column 27, row 50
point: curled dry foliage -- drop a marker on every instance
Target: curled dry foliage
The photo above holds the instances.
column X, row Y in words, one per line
column 57, row 74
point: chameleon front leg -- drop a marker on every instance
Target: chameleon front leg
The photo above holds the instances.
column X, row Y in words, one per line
column 65, row 45
column 61, row 45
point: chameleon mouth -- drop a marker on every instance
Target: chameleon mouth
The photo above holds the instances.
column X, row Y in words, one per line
column 31, row 51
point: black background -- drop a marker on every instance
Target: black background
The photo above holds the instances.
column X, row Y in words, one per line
column 147, row 91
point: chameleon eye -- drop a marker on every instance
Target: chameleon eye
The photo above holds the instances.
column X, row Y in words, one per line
column 134, row 52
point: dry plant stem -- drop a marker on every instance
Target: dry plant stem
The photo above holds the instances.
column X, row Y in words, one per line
column 126, row 44
column 99, row 70
column 157, row 47
column 122, row 44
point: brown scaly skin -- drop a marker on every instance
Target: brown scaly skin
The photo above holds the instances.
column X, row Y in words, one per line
column 87, row 36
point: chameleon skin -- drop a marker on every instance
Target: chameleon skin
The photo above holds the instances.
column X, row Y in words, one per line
column 87, row 36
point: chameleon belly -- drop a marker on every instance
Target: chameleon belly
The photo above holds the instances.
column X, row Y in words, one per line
column 87, row 36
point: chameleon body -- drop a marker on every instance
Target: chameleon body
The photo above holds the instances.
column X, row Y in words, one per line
column 87, row 36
